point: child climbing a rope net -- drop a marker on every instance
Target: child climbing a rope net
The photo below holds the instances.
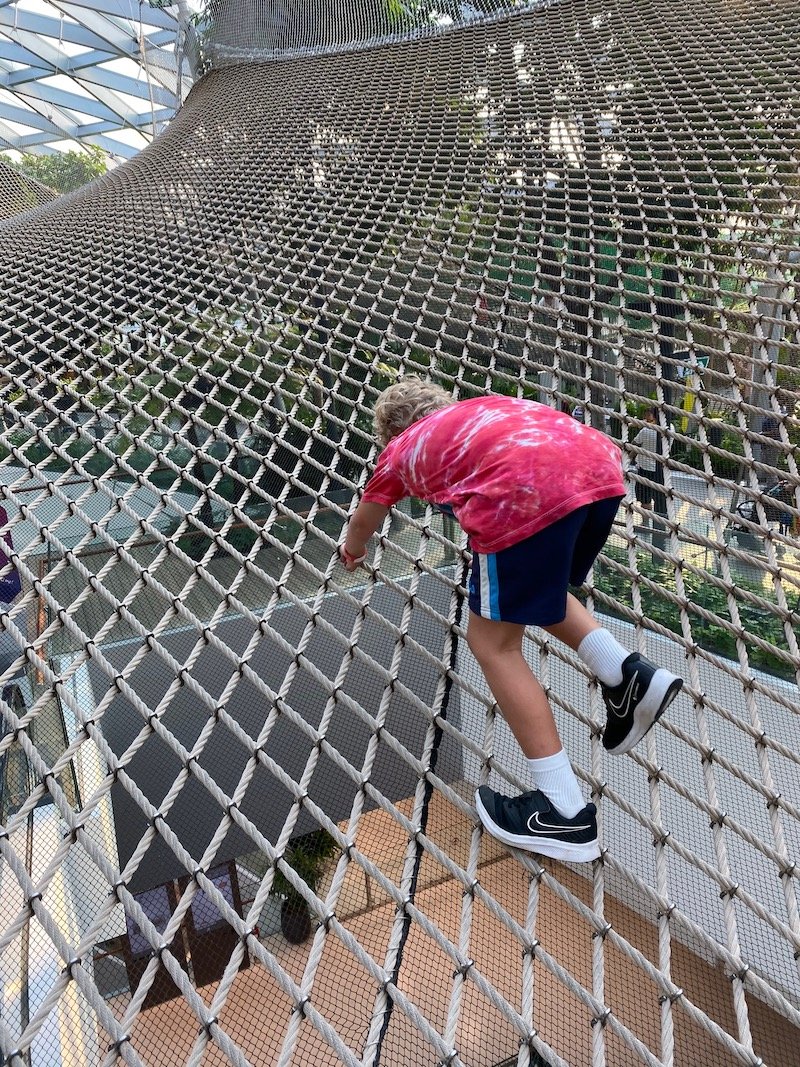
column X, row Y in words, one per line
column 537, row 493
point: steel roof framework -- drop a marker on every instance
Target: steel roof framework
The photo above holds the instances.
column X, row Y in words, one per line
column 102, row 72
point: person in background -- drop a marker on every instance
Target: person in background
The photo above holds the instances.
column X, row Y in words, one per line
column 648, row 463
column 10, row 589
column 537, row 493
column 770, row 453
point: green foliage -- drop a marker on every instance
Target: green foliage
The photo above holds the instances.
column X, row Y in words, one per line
column 716, row 634
column 722, row 435
column 65, row 171
column 308, row 856
column 417, row 12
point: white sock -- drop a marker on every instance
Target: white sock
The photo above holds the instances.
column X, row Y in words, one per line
column 556, row 779
column 603, row 655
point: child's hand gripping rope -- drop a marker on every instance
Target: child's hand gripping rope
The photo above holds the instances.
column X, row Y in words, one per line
column 350, row 561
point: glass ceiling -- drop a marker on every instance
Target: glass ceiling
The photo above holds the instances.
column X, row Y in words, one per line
column 104, row 72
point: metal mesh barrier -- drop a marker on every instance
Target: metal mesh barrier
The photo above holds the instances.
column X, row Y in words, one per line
column 19, row 192
column 236, row 814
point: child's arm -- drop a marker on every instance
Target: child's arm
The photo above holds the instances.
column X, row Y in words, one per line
column 367, row 518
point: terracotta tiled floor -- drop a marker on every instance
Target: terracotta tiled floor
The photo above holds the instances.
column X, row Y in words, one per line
column 257, row 1013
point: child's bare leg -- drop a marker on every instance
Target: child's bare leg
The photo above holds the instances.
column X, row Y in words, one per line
column 497, row 646
column 576, row 624
column 597, row 647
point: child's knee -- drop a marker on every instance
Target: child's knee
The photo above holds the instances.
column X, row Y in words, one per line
column 487, row 639
column 475, row 643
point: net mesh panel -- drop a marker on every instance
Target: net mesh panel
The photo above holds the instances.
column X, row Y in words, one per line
column 18, row 192
column 237, row 817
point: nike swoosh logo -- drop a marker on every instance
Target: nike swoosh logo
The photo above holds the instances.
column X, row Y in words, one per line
column 536, row 826
column 623, row 708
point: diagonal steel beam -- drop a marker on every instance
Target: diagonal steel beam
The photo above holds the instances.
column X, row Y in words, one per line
column 116, row 105
column 41, row 141
column 32, row 93
column 150, row 16
column 118, row 31
column 31, row 50
column 13, row 52
column 19, row 81
column 34, row 119
column 18, row 20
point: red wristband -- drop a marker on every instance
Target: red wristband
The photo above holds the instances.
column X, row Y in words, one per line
column 350, row 558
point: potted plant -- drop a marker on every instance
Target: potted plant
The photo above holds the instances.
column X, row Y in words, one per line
column 307, row 856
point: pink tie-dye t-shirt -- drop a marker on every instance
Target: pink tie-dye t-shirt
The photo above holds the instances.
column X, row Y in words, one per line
column 507, row 467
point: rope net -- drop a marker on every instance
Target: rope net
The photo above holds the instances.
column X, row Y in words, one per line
column 236, row 810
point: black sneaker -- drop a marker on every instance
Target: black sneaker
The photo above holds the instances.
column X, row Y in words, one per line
column 640, row 699
column 531, row 822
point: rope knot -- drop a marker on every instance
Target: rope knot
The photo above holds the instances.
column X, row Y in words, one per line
column 300, row 1006
column 603, row 932
column 670, row 998
column 601, row 1019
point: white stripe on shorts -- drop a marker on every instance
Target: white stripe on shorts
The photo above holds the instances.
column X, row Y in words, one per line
column 486, row 588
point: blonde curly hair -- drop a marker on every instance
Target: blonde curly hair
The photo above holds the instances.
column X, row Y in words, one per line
column 405, row 402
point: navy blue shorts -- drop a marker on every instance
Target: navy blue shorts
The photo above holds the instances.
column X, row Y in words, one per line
column 528, row 582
